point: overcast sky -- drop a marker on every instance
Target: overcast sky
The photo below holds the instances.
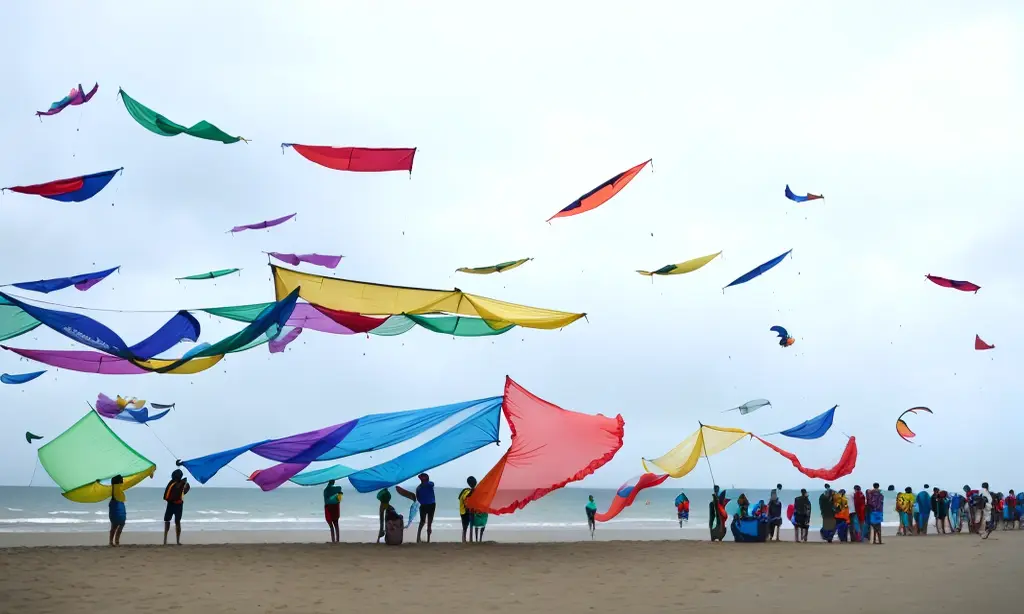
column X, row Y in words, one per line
column 907, row 116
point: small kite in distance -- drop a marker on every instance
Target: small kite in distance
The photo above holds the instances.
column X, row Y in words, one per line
column 902, row 429
column 785, row 340
column 963, row 286
column 801, row 199
column 30, row 436
column 73, row 99
column 750, row 406
column 759, row 270
column 683, row 267
column 264, row 224
column 497, row 268
column 20, row 378
column 981, row 345
column 209, row 275
column 70, row 190
column 357, row 159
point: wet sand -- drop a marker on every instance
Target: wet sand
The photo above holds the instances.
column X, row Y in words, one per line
column 905, row 575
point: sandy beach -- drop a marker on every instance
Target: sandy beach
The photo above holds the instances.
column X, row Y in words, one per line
column 905, row 575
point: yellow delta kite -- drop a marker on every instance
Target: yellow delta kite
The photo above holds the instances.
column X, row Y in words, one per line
column 683, row 267
column 497, row 268
column 382, row 300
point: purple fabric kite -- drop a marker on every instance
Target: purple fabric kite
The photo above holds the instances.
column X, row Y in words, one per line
column 73, row 99
column 316, row 259
column 278, row 345
column 264, row 224
column 308, row 316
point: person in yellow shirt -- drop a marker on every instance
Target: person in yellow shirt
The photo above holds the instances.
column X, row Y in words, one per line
column 118, row 513
column 905, row 507
column 842, row 507
column 465, row 512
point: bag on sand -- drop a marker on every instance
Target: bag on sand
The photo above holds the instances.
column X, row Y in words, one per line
column 394, row 530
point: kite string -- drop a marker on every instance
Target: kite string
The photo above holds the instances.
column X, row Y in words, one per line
column 704, row 447
column 34, row 467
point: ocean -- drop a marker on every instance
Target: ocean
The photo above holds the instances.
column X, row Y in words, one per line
column 43, row 509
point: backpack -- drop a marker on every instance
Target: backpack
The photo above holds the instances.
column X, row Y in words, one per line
column 978, row 501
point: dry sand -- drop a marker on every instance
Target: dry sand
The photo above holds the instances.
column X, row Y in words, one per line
column 905, row 576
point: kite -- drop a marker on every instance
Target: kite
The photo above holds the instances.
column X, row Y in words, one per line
column 159, row 406
column 70, row 190
column 963, row 286
column 381, row 300
column 329, row 262
column 366, row 434
column 158, row 124
column 81, row 282
column 750, row 406
column 601, row 194
column 29, row 436
column 710, row 440
column 88, row 452
column 264, row 224
column 20, row 378
column 784, row 339
column 278, row 345
column 140, row 416
column 357, row 159
column 73, row 99
column 497, row 268
column 550, row 447
column 801, row 199
column 627, row 493
column 322, row 476
column 813, row 428
column 981, row 345
column 209, row 275
column 902, row 429
column 761, row 270
column 109, row 408
column 266, row 326
column 683, row 267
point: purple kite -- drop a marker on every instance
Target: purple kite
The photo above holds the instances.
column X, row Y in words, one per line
column 316, row 259
column 279, row 344
column 264, row 224
column 73, row 99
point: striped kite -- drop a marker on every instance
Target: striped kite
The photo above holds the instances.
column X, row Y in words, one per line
column 70, row 190
column 601, row 194
column 73, row 99
column 357, row 159
column 688, row 266
column 801, row 199
column 963, row 286
column 497, row 268
column 760, row 270
column 901, row 426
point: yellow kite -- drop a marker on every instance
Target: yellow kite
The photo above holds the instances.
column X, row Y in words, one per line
column 497, row 268
column 707, row 441
column 683, row 267
column 382, row 300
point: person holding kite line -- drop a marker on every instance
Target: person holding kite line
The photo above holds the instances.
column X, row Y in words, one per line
column 332, row 509
column 428, row 505
column 174, row 495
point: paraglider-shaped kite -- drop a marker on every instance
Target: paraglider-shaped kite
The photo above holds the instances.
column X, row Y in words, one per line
column 901, row 426
column 29, row 436
column 784, row 339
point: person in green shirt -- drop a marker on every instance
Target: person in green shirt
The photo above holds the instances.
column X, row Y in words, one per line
column 332, row 509
column 384, row 496
column 591, row 510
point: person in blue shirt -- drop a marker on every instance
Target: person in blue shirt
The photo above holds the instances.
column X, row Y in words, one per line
column 924, row 508
column 425, row 497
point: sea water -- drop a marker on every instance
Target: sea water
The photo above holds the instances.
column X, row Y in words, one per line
column 43, row 509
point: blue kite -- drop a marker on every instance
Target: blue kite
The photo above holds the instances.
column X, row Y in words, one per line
column 761, row 270
column 81, row 282
column 813, row 428
column 20, row 378
column 785, row 340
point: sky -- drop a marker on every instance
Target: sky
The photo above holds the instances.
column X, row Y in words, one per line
column 905, row 116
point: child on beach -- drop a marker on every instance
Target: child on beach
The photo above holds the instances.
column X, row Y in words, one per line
column 479, row 524
column 591, row 510
column 118, row 512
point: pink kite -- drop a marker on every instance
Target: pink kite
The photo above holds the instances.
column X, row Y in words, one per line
column 627, row 493
column 357, row 159
column 264, row 224
column 278, row 345
column 963, row 286
column 77, row 96
column 550, row 447
column 981, row 345
column 329, row 262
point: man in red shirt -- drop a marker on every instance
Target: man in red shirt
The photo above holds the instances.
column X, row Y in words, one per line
column 859, row 520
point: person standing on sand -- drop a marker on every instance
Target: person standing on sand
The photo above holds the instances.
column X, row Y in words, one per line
column 842, row 505
column 801, row 516
column 826, row 505
column 1009, row 511
column 591, row 511
column 717, row 516
column 174, row 495
column 428, row 505
column 904, row 505
column 384, row 496
column 774, row 516
column 117, row 511
column 479, row 524
column 875, row 507
column 858, row 520
column 464, row 512
column 939, row 508
column 332, row 509
column 924, row 507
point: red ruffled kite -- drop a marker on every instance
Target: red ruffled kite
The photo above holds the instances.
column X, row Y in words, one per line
column 601, row 194
column 357, row 159
column 550, row 447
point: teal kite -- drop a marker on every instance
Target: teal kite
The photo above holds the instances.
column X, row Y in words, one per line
column 210, row 275
column 158, row 124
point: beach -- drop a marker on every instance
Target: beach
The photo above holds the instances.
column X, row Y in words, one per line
column 905, row 575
